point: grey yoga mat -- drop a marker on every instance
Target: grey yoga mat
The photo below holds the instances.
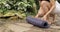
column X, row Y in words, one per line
column 37, row 22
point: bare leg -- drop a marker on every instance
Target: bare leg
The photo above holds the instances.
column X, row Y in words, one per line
column 43, row 10
column 40, row 13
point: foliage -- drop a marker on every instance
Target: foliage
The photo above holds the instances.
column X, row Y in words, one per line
column 20, row 7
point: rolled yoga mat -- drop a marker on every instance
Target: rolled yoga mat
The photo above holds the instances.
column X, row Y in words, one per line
column 37, row 22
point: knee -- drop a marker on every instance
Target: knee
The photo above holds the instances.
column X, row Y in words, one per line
column 44, row 2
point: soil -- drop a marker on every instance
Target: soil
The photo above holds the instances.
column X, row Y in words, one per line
column 19, row 25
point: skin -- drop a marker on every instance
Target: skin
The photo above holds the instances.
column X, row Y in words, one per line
column 45, row 7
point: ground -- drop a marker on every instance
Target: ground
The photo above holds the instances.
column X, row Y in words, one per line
column 19, row 25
